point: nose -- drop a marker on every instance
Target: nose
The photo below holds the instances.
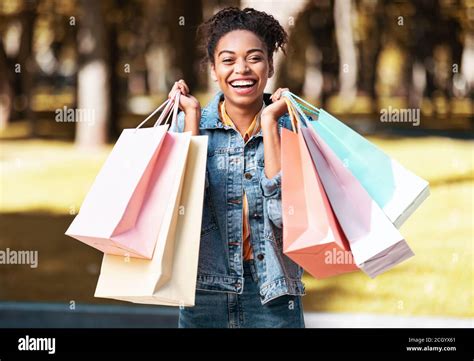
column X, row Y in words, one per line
column 241, row 67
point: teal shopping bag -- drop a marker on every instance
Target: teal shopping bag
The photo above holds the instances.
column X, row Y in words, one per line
column 394, row 188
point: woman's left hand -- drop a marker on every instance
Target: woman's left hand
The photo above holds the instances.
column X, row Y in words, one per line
column 272, row 112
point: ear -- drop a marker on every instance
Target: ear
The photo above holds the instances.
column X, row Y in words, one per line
column 271, row 70
column 213, row 72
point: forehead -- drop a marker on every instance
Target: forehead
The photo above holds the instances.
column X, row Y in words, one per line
column 239, row 41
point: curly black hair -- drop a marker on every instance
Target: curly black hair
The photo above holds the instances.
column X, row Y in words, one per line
column 265, row 26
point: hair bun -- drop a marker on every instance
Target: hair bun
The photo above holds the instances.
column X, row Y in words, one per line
column 264, row 25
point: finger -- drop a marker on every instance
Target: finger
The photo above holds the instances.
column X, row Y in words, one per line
column 184, row 89
column 277, row 94
column 280, row 92
column 179, row 89
column 284, row 90
column 176, row 92
column 274, row 95
column 174, row 89
column 183, row 83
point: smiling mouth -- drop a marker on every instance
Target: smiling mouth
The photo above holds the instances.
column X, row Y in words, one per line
column 243, row 84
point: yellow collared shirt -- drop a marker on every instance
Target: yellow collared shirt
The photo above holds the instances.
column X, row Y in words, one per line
column 252, row 130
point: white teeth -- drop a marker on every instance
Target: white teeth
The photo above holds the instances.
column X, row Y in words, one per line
column 243, row 82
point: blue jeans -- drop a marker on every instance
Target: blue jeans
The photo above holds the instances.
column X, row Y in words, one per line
column 231, row 310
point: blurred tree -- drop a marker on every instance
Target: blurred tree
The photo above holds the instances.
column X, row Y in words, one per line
column 6, row 92
column 312, row 65
column 435, row 51
column 464, row 82
column 347, row 52
column 367, row 33
column 26, row 62
column 17, row 61
column 184, row 21
column 113, row 21
column 125, row 54
column 93, row 75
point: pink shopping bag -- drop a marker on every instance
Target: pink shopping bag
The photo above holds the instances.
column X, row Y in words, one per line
column 312, row 236
column 124, row 211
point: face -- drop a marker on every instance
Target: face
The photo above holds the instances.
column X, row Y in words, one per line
column 241, row 67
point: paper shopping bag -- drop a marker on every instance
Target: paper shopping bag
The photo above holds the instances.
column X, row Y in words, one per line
column 135, row 280
column 375, row 242
column 121, row 213
column 312, row 236
column 394, row 188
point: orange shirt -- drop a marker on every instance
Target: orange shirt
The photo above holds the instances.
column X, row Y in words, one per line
column 252, row 130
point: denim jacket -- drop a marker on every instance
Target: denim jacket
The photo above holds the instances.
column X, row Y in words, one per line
column 233, row 167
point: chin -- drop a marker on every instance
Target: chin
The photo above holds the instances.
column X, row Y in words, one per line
column 243, row 99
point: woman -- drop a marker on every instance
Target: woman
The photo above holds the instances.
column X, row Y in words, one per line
column 244, row 279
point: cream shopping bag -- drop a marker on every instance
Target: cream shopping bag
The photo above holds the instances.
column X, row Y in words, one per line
column 134, row 280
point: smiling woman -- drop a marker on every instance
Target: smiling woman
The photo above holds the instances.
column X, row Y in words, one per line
column 239, row 45
column 244, row 279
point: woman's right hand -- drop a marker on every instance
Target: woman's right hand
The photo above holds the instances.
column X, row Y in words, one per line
column 187, row 103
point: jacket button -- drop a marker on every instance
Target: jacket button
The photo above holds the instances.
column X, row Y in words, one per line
column 248, row 176
column 260, row 257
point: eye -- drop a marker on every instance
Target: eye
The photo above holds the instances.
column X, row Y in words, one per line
column 255, row 58
column 227, row 60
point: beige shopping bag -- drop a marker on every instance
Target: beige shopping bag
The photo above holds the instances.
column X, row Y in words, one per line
column 134, row 280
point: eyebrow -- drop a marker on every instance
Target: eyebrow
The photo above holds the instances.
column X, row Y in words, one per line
column 233, row 52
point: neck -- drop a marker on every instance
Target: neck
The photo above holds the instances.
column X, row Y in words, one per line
column 241, row 116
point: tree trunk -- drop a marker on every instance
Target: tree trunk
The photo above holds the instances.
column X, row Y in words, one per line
column 186, row 18
column 369, row 45
column 93, row 77
column 6, row 93
column 114, row 94
column 347, row 51
column 27, row 63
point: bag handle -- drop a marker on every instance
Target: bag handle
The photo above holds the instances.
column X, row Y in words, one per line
column 173, row 104
column 174, row 119
column 292, row 114
column 296, row 106
column 297, row 116
column 302, row 103
column 168, row 105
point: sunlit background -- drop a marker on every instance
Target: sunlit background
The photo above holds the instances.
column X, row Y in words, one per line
column 113, row 61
